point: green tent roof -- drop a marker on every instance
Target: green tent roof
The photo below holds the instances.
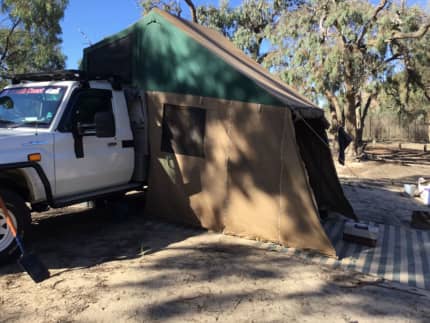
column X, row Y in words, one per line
column 165, row 53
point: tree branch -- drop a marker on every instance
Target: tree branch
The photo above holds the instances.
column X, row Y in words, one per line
column 426, row 94
column 339, row 29
column 369, row 23
column 6, row 47
column 366, row 107
column 323, row 31
column 389, row 59
column 192, row 9
column 392, row 58
column 262, row 57
column 415, row 34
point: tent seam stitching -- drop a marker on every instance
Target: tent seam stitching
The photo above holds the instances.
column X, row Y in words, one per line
column 281, row 175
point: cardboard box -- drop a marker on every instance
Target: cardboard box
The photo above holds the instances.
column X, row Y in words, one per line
column 361, row 233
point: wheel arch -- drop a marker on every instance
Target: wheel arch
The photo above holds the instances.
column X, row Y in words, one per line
column 16, row 180
column 28, row 179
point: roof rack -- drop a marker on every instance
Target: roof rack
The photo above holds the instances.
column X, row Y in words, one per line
column 63, row 75
column 72, row 75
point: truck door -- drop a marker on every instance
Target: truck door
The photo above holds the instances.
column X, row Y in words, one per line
column 83, row 161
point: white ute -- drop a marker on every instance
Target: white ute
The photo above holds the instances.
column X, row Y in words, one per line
column 66, row 137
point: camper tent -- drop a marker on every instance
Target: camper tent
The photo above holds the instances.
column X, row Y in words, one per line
column 232, row 148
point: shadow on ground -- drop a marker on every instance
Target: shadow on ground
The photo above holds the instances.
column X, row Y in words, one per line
column 219, row 280
column 83, row 238
column 181, row 274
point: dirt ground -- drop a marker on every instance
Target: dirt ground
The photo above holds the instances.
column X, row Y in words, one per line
column 375, row 190
column 128, row 269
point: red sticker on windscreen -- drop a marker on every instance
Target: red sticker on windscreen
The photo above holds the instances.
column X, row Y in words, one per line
column 30, row 90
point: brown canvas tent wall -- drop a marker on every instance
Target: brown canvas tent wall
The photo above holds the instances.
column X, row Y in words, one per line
column 225, row 150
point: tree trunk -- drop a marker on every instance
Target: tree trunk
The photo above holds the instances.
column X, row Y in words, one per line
column 351, row 125
column 335, row 124
column 350, row 117
column 336, row 111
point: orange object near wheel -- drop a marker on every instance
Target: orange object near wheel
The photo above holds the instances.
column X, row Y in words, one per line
column 20, row 218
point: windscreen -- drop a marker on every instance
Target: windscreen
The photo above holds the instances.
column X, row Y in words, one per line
column 29, row 106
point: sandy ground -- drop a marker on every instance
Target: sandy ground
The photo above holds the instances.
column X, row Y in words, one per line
column 110, row 269
column 375, row 190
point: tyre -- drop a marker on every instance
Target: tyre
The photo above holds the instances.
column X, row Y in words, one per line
column 21, row 217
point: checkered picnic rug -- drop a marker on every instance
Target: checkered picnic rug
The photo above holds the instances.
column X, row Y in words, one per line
column 401, row 254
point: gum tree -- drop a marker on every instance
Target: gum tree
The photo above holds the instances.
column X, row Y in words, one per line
column 346, row 52
column 30, row 35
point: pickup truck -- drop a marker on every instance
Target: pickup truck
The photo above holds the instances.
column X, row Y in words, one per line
column 66, row 138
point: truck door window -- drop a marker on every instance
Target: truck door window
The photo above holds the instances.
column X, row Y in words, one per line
column 88, row 102
column 88, row 105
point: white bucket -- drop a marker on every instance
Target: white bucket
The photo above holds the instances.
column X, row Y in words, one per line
column 425, row 196
column 410, row 189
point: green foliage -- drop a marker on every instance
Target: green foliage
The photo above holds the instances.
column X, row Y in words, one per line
column 171, row 6
column 30, row 35
column 352, row 51
column 407, row 91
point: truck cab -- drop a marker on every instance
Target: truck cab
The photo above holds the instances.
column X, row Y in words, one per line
column 66, row 138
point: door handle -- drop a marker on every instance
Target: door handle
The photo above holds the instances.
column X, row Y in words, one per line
column 112, row 144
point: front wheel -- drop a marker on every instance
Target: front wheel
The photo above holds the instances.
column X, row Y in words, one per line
column 21, row 218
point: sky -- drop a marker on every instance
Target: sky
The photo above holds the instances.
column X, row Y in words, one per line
column 88, row 21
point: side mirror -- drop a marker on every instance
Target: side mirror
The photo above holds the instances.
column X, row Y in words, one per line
column 105, row 124
column 7, row 102
column 84, row 129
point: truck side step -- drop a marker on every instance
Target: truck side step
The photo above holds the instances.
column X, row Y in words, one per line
column 69, row 200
